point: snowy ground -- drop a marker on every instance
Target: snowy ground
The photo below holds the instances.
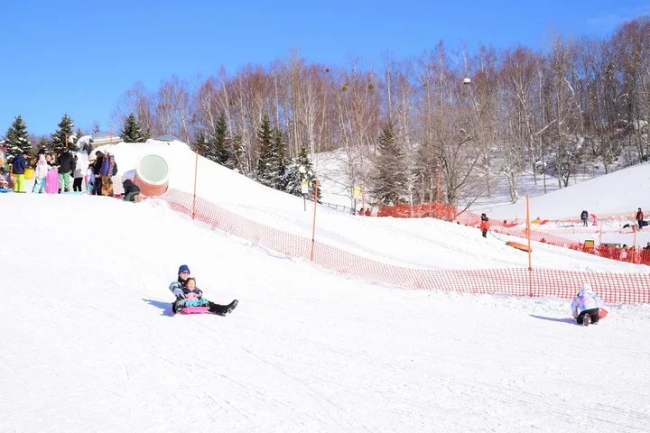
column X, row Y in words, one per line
column 89, row 345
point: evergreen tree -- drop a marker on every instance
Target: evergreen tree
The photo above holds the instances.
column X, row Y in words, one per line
column 42, row 145
column 131, row 130
column 63, row 134
column 299, row 170
column 389, row 182
column 279, row 160
column 237, row 160
column 202, row 145
column 220, row 152
column 264, row 164
column 272, row 165
column 17, row 139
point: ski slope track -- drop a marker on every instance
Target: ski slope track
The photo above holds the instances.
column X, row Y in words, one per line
column 88, row 342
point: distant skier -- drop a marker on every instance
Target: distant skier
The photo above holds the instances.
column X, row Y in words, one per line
column 485, row 225
column 584, row 216
column 586, row 306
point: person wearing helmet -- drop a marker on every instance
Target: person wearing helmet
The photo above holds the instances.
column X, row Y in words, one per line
column 179, row 289
column 586, row 306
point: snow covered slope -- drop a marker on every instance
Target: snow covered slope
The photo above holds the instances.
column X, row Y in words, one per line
column 88, row 343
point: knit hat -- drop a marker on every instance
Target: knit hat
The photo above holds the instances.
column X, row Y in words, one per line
column 184, row 268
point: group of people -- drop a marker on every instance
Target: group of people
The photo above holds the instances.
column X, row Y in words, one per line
column 189, row 295
column 53, row 174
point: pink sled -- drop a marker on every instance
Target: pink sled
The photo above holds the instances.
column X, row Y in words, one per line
column 194, row 310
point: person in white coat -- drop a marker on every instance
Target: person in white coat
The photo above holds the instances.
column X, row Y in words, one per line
column 586, row 306
column 41, row 173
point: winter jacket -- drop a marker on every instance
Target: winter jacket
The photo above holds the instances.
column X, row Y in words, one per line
column 41, row 167
column 130, row 187
column 98, row 163
column 584, row 215
column 585, row 300
column 194, row 298
column 485, row 223
column 109, row 167
column 78, row 170
column 196, row 292
column 639, row 216
column 66, row 162
column 19, row 164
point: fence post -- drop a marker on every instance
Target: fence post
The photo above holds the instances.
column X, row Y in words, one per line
column 313, row 226
column 530, row 258
column 196, row 172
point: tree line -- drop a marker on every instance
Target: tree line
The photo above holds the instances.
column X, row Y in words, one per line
column 448, row 123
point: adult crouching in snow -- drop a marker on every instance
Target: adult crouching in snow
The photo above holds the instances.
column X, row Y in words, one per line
column 131, row 191
column 586, row 306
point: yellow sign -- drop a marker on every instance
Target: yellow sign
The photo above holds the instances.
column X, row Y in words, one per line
column 304, row 187
column 357, row 192
column 589, row 243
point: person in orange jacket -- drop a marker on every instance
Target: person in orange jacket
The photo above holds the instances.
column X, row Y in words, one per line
column 639, row 218
column 485, row 225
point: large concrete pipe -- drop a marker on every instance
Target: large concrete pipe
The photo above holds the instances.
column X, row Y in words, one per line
column 152, row 175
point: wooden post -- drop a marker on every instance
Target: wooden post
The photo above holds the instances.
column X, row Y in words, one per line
column 196, row 172
column 530, row 259
column 313, row 226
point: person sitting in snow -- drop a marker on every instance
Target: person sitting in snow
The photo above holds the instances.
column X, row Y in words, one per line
column 4, row 178
column 586, row 306
column 179, row 287
column 192, row 294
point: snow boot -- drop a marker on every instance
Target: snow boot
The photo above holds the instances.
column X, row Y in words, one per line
column 231, row 306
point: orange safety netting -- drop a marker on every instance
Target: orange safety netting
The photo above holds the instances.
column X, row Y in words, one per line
column 613, row 287
column 439, row 210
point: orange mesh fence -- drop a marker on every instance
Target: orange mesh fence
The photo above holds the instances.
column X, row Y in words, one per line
column 613, row 287
column 450, row 213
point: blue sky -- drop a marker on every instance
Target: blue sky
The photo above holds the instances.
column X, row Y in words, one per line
column 80, row 56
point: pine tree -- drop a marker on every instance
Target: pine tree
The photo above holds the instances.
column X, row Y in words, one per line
column 202, row 145
column 63, row 134
column 220, row 152
column 389, row 181
column 264, row 136
column 237, row 160
column 279, row 161
column 299, row 170
column 272, row 164
column 132, row 131
column 17, row 139
column 42, row 145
